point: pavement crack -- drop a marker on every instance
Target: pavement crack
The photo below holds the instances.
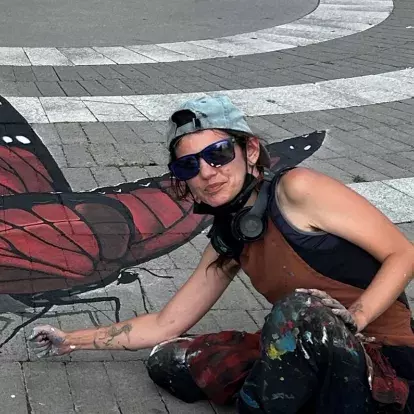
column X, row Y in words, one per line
column 70, row 388
column 105, row 366
column 163, row 401
column 28, row 405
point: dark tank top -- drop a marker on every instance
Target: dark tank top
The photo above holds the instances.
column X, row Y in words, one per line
column 330, row 255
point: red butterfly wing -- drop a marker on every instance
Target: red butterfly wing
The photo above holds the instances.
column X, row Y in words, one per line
column 26, row 165
column 52, row 242
column 162, row 223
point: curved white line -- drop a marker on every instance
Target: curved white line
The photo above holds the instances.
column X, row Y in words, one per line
column 337, row 93
column 330, row 20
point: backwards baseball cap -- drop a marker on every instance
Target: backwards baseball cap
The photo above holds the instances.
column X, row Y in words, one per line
column 211, row 112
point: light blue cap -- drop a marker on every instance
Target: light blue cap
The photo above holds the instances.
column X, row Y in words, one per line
column 212, row 112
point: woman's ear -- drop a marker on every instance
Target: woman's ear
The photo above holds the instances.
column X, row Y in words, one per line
column 252, row 150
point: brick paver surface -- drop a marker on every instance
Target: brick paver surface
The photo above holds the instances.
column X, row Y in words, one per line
column 367, row 143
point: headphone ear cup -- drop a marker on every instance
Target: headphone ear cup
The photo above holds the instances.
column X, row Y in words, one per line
column 247, row 227
column 221, row 247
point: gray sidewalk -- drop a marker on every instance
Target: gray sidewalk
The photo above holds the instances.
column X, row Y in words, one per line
column 364, row 144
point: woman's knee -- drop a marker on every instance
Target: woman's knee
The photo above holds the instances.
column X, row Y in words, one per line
column 301, row 321
column 297, row 307
column 167, row 367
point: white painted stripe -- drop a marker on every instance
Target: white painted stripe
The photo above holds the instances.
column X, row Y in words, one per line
column 32, row 109
column 193, row 50
column 58, row 110
column 395, row 198
column 337, row 93
column 121, row 55
column 85, row 56
column 40, row 56
column 158, row 53
column 113, row 108
column 13, row 56
column 330, row 20
column 406, row 186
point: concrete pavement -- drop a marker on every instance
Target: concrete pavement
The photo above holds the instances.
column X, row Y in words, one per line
column 91, row 23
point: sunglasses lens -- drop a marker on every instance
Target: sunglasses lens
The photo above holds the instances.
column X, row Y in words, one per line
column 220, row 153
column 185, row 168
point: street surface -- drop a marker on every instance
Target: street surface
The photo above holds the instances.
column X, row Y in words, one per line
column 97, row 80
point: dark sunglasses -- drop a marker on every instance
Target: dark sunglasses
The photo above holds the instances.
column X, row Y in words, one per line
column 218, row 154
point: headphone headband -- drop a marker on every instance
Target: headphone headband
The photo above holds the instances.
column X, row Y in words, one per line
column 249, row 224
column 229, row 233
column 260, row 205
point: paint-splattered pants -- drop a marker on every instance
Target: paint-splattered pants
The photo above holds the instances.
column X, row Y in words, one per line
column 308, row 362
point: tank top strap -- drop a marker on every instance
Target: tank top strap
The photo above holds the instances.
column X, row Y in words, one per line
column 278, row 173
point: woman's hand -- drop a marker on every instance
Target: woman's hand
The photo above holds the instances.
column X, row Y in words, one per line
column 337, row 308
column 48, row 341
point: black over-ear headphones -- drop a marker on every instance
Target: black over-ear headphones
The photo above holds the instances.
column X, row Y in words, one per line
column 249, row 223
column 228, row 234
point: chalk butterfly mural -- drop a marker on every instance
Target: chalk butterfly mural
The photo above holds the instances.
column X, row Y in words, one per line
column 56, row 244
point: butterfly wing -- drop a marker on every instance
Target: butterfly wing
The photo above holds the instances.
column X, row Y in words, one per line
column 162, row 222
column 59, row 241
column 55, row 241
column 292, row 151
column 26, row 165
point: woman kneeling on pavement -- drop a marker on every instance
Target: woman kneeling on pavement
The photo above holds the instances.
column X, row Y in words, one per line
column 339, row 338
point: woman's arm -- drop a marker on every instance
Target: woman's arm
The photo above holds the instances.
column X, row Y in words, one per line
column 328, row 205
column 194, row 299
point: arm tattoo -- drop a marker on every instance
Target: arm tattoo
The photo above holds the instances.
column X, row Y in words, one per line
column 111, row 334
column 355, row 308
column 114, row 332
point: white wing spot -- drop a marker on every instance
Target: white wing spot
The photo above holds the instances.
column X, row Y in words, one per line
column 292, row 147
column 7, row 139
column 308, row 147
column 23, row 139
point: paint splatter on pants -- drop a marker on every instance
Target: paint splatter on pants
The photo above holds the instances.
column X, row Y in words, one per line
column 310, row 362
column 307, row 362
